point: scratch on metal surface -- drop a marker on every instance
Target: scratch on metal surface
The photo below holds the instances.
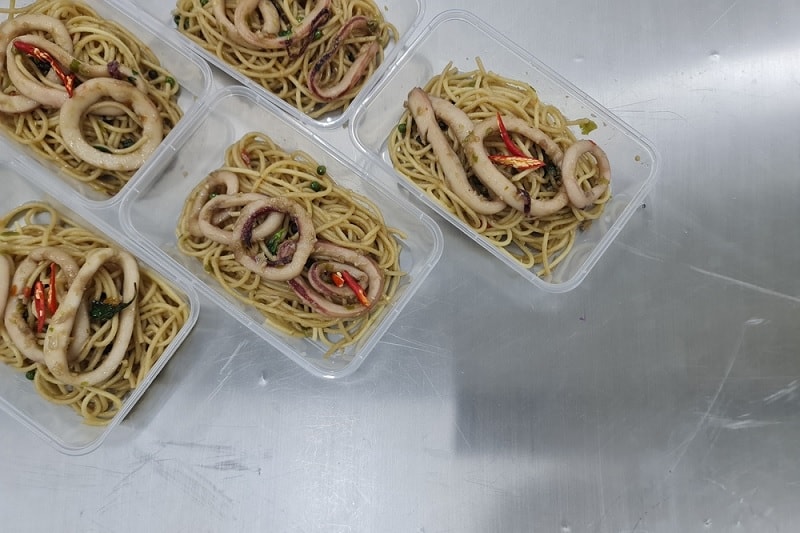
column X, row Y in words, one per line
column 232, row 356
column 411, row 344
column 684, row 446
column 787, row 393
column 428, row 378
column 762, row 290
column 729, row 423
column 463, row 437
column 722, row 16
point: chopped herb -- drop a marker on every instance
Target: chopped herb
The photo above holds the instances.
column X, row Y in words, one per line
column 75, row 66
column 102, row 148
column 177, row 20
column 169, row 80
column 132, row 80
column 316, row 186
column 275, row 240
column 212, row 195
column 203, row 2
column 402, row 128
column 284, row 33
column 317, row 35
column 30, row 374
column 321, row 170
column 127, row 142
column 588, row 126
column 102, row 310
column 373, row 26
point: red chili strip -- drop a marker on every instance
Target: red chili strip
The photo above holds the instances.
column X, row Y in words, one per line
column 518, row 162
column 67, row 78
column 356, row 288
column 512, row 148
column 52, row 297
column 39, row 304
column 337, row 279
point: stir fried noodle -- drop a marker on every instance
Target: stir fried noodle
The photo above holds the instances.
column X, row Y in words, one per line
column 274, row 229
column 315, row 55
column 83, row 92
column 80, row 317
column 529, row 190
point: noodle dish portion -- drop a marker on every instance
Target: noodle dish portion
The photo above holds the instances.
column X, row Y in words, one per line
column 521, row 161
column 315, row 57
column 278, row 233
column 87, row 322
column 301, row 245
column 85, row 93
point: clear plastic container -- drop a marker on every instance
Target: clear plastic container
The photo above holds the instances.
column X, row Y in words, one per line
column 404, row 14
column 191, row 72
column 59, row 425
column 231, row 113
column 634, row 161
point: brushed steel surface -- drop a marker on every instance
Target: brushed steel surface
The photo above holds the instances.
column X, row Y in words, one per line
column 662, row 395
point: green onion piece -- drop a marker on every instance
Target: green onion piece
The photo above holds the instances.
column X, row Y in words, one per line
column 203, row 2
column 317, row 35
column 275, row 240
column 169, row 80
column 102, row 148
column 75, row 66
column 588, row 126
column 30, row 374
column 284, row 33
column 402, row 128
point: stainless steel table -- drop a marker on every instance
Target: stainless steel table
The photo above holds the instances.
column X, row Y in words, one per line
column 662, row 395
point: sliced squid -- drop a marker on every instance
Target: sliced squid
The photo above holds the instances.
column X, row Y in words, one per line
column 296, row 42
column 577, row 196
column 24, row 25
column 57, row 339
column 93, row 91
column 328, row 299
column 356, row 70
column 510, row 193
column 292, row 253
column 17, row 327
column 425, row 110
column 224, row 207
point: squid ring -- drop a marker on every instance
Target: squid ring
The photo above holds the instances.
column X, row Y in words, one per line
column 217, row 180
column 219, row 208
column 356, row 70
column 269, row 13
column 296, row 42
column 16, row 326
column 516, row 197
column 89, row 93
column 286, row 267
column 57, row 338
column 314, row 293
column 22, row 25
column 577, row 196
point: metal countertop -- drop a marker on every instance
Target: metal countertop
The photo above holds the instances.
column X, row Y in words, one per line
column 661, row 395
